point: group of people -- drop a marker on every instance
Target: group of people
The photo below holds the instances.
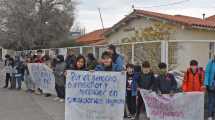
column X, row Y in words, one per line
column 138, row 77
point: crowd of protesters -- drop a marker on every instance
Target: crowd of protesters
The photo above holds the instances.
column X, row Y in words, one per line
column 138, row 77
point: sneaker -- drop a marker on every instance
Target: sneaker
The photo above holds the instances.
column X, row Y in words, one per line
column 210, row 118
column 56, row 99
column 61, row 100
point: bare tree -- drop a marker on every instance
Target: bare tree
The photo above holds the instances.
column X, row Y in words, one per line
column 30, row 24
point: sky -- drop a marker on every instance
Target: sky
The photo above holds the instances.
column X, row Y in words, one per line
column 87, row 14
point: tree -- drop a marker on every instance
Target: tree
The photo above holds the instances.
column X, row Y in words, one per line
column 34, row 24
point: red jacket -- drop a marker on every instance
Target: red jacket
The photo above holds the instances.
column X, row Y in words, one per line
column 193, row 81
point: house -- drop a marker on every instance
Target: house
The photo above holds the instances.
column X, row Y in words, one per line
column 93, row 38
column 132, row 29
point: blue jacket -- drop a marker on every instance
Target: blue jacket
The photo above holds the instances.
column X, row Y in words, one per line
column 209, row 73
column 135, row 78
column 120, row 61
column 115, row 67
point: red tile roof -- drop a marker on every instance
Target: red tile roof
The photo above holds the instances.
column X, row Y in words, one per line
column 92, row 37
column 211, row 18
column 185, row 20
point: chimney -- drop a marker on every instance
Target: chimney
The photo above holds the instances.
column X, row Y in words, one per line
column 203, row 15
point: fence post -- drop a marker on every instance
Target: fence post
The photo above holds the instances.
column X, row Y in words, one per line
column 94, row 50
column 81, row 50
column 167, row 53
column 132, row 53
column 164, row 52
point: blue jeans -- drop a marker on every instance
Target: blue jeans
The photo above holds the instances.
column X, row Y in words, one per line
column 211, row 103
column 19, row 81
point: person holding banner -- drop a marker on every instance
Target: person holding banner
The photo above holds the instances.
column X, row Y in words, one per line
column 80, row 64
column 30, row 85
column 38, row 59
column 209, row 82
column 165, row 82
column 131, row 91
column 147, row 82
column 60, row 78
column 107, row 63
column 193, row 78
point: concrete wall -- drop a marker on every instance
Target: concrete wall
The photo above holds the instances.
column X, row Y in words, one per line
column 185, row 51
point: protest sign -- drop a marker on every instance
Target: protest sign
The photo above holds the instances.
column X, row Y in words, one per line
column 95, row 95
column 42, row 76
column 181, row 106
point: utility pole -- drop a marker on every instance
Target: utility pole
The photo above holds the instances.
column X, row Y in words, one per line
column 100, row 14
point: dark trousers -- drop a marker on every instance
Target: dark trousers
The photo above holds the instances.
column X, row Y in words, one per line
column 7, row 79
column 60, row 91
column 140, row 104
column 131, row 102
column 211, row 102
column 13, row 83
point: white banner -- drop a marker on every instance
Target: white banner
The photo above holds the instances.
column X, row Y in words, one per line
column 95, row 95
column 43, row 77
column 181, row 106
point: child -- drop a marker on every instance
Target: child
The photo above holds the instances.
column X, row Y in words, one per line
column 80, row 63
column 131, row 90
column 107, row 63
column 8, row 70
column 59, row 78
column 147, row 82
column 193, row 78
column 19, row 72
column 116, row 58
column 165, row 82
column 91, row 62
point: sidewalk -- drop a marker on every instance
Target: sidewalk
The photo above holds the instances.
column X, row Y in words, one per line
column 19, row 105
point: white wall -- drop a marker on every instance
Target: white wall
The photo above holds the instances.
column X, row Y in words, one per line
column 186, row 50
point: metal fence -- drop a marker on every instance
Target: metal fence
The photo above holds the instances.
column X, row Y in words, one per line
column 177, row 53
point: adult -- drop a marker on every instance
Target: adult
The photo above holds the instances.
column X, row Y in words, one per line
column 209, row 83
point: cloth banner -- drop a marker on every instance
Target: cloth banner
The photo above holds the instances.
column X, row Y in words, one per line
column 95, row 95
column 181, row 106
column 43, row 77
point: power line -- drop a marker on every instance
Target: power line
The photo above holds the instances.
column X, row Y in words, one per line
column 169, row 4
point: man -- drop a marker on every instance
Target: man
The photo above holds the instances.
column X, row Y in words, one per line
column 209, row 82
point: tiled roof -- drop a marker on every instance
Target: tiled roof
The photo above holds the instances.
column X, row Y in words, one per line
column 211, row 18
column 92, row 37
column 185, row 20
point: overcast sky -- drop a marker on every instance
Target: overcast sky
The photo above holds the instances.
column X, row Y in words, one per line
column 114, row 10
